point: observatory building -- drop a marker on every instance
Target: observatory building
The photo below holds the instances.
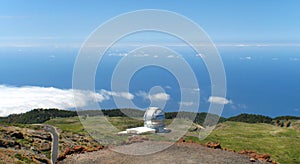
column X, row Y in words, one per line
column 154, row 118
column 154, row 122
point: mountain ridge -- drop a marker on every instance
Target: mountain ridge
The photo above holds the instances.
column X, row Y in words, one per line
column 42, row 115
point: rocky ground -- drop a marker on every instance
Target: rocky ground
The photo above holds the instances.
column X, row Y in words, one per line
column 24, row 145
column 32, row 144
column 69, row 140
column 176, row 153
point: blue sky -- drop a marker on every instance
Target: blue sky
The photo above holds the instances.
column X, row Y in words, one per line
column 39, row 41
column 50, row 23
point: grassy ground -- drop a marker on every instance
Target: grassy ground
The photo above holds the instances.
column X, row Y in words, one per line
column 102, row 129
column 73, row 124
column 69, row 124
column 283, row 144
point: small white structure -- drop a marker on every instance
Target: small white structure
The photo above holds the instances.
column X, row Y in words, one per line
column 153, row 123
column 154, row 118
column 140, row 130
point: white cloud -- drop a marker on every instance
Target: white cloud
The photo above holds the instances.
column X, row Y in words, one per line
column 168, row 87
column 275, row 58
column 246, row 58
column 201, row 55
column 186, row 103
column 23, row 99
column 238, row 106
column 219, row 100
column 154, row 97
column 242, row 45
column 118, row 54
column 125, row 95
column 141, row 55
column 159, row 96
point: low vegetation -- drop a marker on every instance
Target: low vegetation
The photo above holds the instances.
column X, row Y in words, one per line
column 251, row 118
column 279, row 136
column 37, row 116
column 281, row 143
column 198, row 118
column 42, row 115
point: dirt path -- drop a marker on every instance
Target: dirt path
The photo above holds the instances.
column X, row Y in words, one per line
column 54, row 147
column 178, row 153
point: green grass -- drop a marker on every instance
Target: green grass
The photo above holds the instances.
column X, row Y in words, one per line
column 283, row 144
column 23, row 159
column 73, row 124
column 47, row 153
column 123, row 123
column 69, row 124
column 29, row 126
column 102, row 129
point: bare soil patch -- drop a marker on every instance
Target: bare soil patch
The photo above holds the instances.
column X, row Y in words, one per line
column 177, row 153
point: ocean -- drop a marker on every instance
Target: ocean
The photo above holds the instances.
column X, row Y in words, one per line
column 260, row 79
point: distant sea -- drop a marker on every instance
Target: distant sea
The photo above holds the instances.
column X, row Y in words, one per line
column 260, row 80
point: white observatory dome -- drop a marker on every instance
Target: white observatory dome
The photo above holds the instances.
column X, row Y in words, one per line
column 154, row 118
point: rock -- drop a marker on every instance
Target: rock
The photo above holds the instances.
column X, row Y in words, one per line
column 99, row 147
column 68, row 151
column 62, row 156
column 79, row 149
column 42, row 136
column 44, row 146
column 181, row 140
column 135, row 138
column 8, row 143
column 230, row 150
column 216, row 145
column 41, row 160
column 252, row 159
column 247, row 152
column 256, row 156
column 263, row 157
column 253, row 155
column 18, row 135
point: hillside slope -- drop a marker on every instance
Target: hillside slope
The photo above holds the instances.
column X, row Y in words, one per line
column 281, row 143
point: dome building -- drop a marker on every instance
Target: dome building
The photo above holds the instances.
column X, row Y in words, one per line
column 154, row 122
column 154, row 118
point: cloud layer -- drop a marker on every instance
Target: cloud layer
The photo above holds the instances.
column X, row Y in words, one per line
column 219, row 100
column 161, row 96
column 186, row 103
column 125, row 95
column 23, row 99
